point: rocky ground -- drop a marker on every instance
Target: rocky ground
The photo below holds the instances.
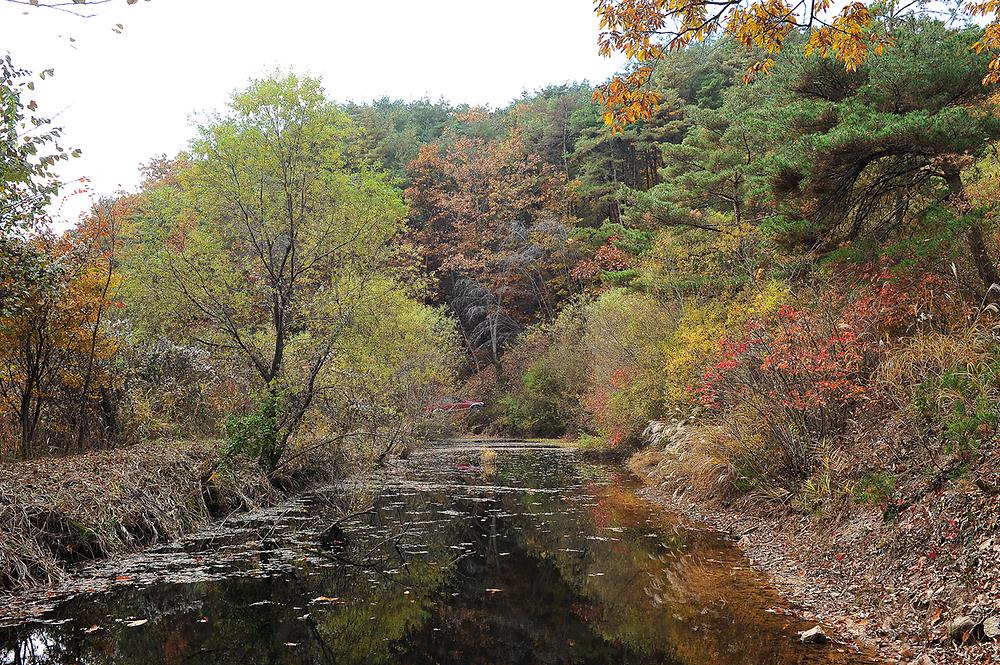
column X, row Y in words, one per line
column 919, row 586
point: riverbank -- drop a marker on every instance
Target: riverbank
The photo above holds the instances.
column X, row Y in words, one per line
column 58, row 512
column 921, row 585
column 459, row 553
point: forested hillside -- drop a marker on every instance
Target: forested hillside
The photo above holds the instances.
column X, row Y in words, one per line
column 792, row 263
column 795, row 262
column 761, row 258
column 787, row 287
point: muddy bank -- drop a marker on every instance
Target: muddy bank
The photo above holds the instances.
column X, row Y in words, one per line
column 58, row 512
column 917, row 585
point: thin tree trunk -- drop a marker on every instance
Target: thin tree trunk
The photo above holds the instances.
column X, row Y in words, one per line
column 980, row 256
column 81, row 420
column 984, row 264
column 27, row 432
column 29, row 411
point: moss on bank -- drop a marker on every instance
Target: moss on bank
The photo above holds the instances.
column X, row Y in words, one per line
column 60, row 511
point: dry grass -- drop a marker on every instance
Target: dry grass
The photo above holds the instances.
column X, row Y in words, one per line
column 487, row 462
column 701, row 455
column 57, row 511
column 719, row 462
column 927, row 356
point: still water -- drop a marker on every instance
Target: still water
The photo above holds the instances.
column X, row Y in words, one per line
column 532, row 557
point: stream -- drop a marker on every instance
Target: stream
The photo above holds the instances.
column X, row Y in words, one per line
column 534, row 556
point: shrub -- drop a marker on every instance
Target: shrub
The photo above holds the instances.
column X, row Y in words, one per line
column 874, row 488
column 695, row 341
column 960, row 405
column 800, row 373
column 534, row 409
column 947, row 385
column 255, row 434
column 799, row 376
column 633, row 241
column 623, row 337
column 620, row 277
column 543, row 377
column 608, row 260
column 173, row 390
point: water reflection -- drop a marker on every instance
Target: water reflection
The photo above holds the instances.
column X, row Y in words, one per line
column 531, row 557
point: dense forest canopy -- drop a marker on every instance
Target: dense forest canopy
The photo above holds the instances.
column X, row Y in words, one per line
column 760, row 250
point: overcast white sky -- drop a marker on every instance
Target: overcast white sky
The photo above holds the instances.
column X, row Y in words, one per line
column 123, row 98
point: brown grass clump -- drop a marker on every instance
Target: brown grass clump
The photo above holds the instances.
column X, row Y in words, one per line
column 716, row 461
column 487, row 462
column 646, row 464
column 927, row 356
column 704, row 456
column 58, row 511
column 718, row 458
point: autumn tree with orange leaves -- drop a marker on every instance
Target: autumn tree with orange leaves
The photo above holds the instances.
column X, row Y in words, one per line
column 57, row 351
column 645, row 31
column 490, row 219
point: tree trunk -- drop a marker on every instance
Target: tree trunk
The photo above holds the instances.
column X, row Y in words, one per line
column 28, row 411
column 985, row 266
column 980, row 256
column 273, row 445
column 495, row 345
column 27, row 431
column 109, row 410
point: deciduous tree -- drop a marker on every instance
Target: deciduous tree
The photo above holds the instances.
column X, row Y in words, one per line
column 268, row 244
column 645, row 31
